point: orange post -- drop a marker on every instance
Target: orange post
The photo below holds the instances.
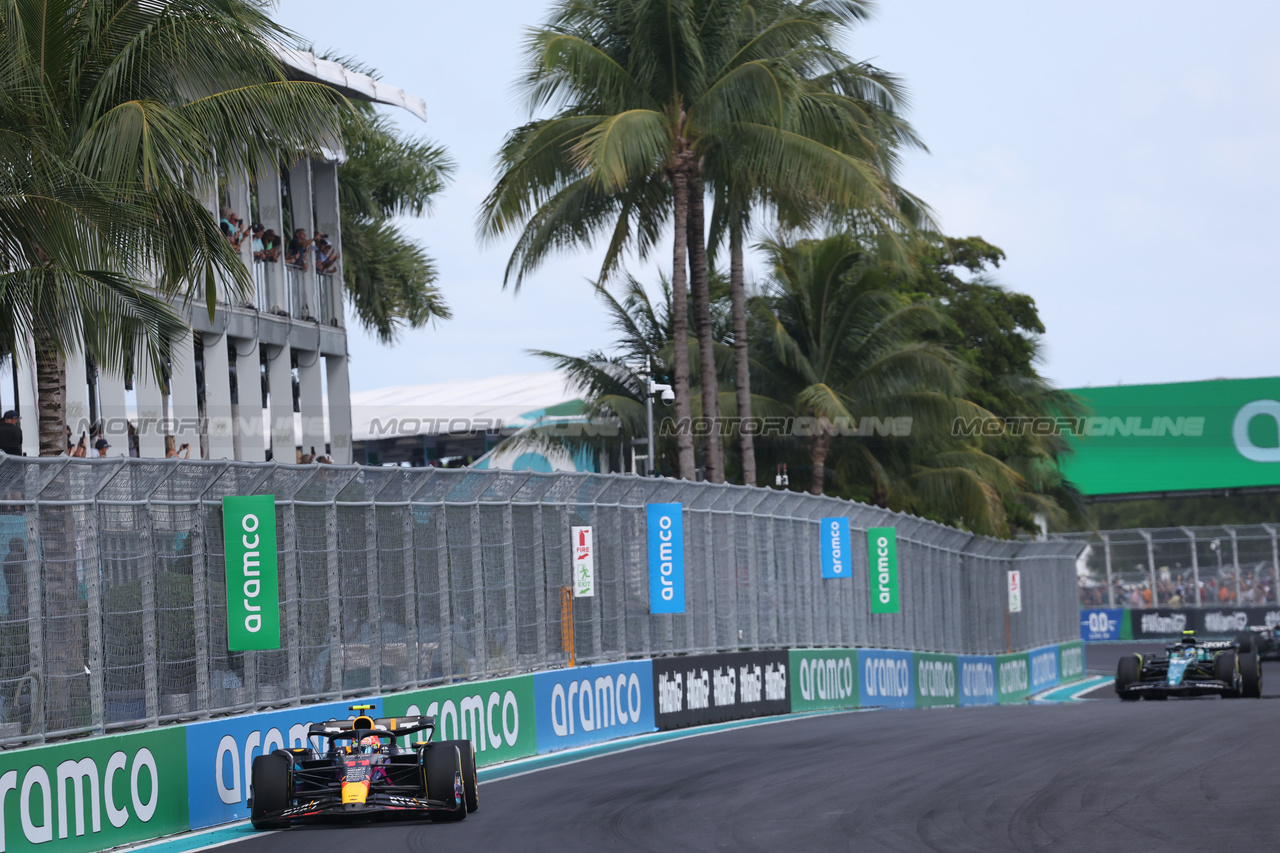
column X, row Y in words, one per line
column 566, row 623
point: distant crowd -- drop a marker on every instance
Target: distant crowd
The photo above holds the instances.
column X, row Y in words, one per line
column 301, row 253
column 1256, row 586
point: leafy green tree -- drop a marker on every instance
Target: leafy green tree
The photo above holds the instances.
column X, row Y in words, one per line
column 848, row 357
column 390, row 279
column 114, row 119
column 997, row 333
column 643, row 92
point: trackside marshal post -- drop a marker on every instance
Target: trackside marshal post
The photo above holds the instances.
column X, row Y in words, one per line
column 253, row 591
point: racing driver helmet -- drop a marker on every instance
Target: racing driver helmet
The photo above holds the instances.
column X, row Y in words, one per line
column 370, row 744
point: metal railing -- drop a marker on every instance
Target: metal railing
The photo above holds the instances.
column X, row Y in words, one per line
column 301, row 292
column 114, row 598
column 1232, row 565
column 330, row 298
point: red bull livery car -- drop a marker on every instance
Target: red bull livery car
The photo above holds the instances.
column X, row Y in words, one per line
column 364, row 774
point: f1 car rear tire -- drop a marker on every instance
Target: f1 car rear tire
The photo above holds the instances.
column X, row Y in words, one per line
column 270, row 791
column 1245, row 641
column 440, row 763
column 470, row 786
column 1226, row 668
column 1250, row 675
column 1128, row 671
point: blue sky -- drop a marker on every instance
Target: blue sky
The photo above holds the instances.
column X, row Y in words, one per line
column 1124, row 155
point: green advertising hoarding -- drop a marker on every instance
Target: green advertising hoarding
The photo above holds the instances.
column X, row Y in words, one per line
column 498, row 716
column 882, row 555
column 937, row 681
column 824, row 679
column 1013, row 677
column 1071, row 660
column 253, row 584
column 94, row 794
column 1177, row 437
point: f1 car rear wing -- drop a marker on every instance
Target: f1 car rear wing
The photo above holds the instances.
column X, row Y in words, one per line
column 362, row 727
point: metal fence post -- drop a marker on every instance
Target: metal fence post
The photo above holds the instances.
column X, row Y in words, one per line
column 374, row 595
column 1195, row 565
column 1235, row 560
column 336, row 648
column 1111, row 587
column 35, row 621
column 1151, row 568
column 150, row 662
column 292, row 608
column 413, row 654
column 1275, row 557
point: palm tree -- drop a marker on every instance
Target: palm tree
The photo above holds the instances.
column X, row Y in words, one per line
column 115, row 118
column 643, row 91
column 858, row 114
column 390, row 280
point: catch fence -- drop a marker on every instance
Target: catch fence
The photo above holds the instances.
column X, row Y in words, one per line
column 113, row 607
column 1227, row 566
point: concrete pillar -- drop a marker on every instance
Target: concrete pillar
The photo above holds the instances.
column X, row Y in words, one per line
column 311, row 402
column 271, row 215
column 77, row 395
column 27, row 405
column 114, row 415
column 302, row 283
column 150, row 414
column 246, row 413
column 238, row 192
column 218, row 397
column 280, row 382
column 324, row 188
column 339, row 408
column 184, row 407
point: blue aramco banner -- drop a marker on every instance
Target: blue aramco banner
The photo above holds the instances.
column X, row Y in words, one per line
column 886, row 678
column 666, row 558
column 977, row 680
column 835, row 547
column 1044, row 668
column 220, row 754
column 590, row 704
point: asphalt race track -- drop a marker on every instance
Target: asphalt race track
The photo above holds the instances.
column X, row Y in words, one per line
column 1097, row 776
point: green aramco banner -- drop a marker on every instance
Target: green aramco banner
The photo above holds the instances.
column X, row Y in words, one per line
column 882, row 551
column 253, row 586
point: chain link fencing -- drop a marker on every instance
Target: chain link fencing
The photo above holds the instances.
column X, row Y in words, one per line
column 114, row 615
column 1228, row 566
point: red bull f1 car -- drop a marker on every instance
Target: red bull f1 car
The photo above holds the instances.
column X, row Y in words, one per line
column 1190, row 667
column 364, row 774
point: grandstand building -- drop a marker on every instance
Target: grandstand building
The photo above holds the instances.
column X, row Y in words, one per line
column 263, row 379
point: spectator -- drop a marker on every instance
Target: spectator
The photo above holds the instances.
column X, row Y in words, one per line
column 11, row 434
column 233, row 227
column 270, row 246
column 102, row 447
column 170, row 452
column 326, row 256
column 298, row 246
column 259, row 247
column 81, row 450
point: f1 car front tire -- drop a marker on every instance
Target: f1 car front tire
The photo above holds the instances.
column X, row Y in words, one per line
column 270, row 791
column 470, row 786
column 441, row 762
column 1250, row 675
column 1128, row 671
column 1226, row 668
